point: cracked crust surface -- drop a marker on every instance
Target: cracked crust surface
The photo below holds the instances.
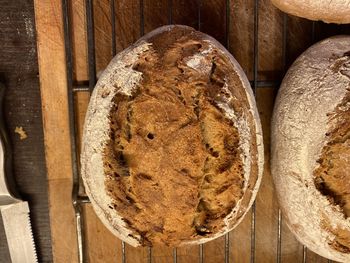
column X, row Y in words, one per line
column 328, row 11
column 310, row 148
column 181, row 153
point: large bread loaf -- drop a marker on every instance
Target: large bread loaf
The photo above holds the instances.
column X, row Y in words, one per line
column 172, row 149
column 311, row 148
column 337, row 11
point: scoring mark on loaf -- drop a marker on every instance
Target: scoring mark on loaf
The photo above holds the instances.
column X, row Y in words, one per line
column 313, row 87
column 332, row 176
column 182, row 113
column 96, row 135
column 340, row 240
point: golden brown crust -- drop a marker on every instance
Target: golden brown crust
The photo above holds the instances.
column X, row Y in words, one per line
column 173, row 163
column 222, row 99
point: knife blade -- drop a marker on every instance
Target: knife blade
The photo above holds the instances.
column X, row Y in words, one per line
column 14, row 211
column 18, row 232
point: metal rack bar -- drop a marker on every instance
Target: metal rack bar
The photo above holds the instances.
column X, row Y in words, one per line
column 91, row 43
column 199, row 3
column 112, row 8
column 264, row 83
column 84, row 199
column 174, row 255
column 313, row 31
column 259, row 84
column 149, row 255
column 279, row 237
column 82, row 88
column 284, row 42
column 73, row 129
column 80, row 235
column 170, row 12
column 255, row 82
column 252, row 237
column 201, row 253
column 227, row 27
column 142, row 19
column 123, row 252
column 227, row 248
column 304, row 254
column 256, row 46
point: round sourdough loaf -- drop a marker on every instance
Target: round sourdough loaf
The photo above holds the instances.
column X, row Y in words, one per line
column 337, row 11
column 311, row 148
column 172, row 148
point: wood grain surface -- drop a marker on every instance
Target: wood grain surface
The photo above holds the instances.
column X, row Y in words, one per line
column 53, row 86
column 22, row 108
column 211, row 18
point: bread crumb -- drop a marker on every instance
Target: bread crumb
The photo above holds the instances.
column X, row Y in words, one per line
column 21, row 132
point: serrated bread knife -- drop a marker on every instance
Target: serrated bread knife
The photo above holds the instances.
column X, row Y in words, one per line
column 14, row 211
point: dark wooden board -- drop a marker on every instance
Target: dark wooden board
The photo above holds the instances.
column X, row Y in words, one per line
column 19, row 70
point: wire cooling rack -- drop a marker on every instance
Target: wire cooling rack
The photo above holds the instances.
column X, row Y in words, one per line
column 78, row 198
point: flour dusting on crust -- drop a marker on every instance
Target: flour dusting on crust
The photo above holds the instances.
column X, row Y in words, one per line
column 310, row 90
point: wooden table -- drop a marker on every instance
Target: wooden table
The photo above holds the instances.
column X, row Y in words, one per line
column 101, row 245
column 19, row 71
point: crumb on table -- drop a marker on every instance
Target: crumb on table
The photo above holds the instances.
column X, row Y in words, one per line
column 21, row 132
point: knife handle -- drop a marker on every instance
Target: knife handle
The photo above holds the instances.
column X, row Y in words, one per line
column 7, row 181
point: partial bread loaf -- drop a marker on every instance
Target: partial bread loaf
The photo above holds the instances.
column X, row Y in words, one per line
column 311, row 148
column 337, row 11
column 172, row 147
